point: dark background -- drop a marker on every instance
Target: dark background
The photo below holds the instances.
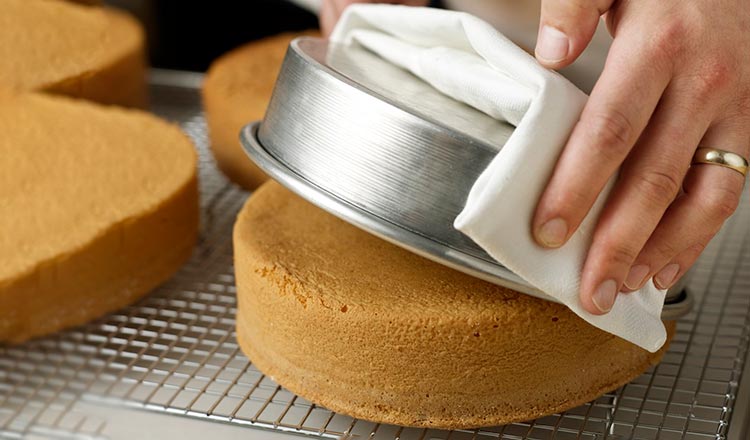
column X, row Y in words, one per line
column 188, row 35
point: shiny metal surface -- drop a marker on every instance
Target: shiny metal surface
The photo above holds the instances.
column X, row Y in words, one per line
column 723, row 158
column 396, row 161
column 371, row 149
column 170, row 367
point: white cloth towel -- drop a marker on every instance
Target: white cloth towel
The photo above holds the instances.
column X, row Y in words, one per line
column 469, row 60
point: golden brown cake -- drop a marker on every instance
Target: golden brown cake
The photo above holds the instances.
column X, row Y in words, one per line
column 98, row 205
column 66, row 48
column 364, row 328
column 236, row 91
column 86, row 2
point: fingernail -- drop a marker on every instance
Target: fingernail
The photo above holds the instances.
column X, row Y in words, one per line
column 604, row 296
column 552, row 45
column 552, row 234
column 636, row 276
column 666, row 277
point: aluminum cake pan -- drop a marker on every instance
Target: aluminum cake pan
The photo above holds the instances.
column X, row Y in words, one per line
column 395, row 161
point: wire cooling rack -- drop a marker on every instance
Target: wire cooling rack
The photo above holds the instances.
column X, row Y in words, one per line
column 172, row 360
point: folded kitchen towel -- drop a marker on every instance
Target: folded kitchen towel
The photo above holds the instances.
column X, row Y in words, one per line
column 467, row 59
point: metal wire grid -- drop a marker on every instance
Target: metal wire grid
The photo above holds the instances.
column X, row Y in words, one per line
column 175, row 352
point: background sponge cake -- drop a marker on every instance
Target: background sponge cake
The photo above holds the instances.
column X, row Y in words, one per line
column 236, row 91
column 97, row 207
column 82, row 51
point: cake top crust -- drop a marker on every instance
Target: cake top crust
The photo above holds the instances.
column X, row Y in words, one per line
column 309, row 249
column 70, row 169
column 46, row 42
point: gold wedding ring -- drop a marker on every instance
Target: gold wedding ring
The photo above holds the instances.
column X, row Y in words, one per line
column 714, row 156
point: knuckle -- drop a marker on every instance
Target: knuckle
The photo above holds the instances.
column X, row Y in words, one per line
column 572, row 202
column 619, row 253
column 719, row 75
column 697, row 248
column 658, row 186
column 613, row 131
column 666, row 249
column 721, row 202
column 669, row 41
column 742, row 108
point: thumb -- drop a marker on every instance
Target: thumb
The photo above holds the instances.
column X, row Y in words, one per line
column 566, row 28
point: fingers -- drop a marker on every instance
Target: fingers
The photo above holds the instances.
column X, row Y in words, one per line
column 617, row 112
column 681, row 264
column 327, row 17
column 330, row 13
column 649, row 181
column 566, row 28
column 712, row 193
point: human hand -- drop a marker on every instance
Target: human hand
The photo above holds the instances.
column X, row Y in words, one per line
column 677, row 76
column 331, row 10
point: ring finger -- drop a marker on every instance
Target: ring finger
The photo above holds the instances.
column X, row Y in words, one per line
column 649, row 181
column 712, row 193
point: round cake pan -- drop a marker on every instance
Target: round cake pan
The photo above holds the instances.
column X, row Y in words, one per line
column 378, row 147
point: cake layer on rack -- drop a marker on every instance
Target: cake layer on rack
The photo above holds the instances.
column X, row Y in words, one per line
column 368, row 329
column 98, row 205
